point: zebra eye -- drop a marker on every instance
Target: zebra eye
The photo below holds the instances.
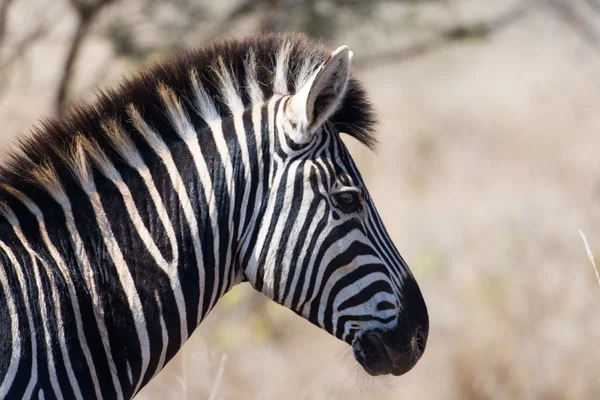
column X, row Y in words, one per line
column 347, row 201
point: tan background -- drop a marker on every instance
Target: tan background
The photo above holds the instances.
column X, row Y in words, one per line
column 489, row 163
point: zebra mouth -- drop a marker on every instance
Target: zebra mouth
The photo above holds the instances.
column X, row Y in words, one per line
column 379, row 354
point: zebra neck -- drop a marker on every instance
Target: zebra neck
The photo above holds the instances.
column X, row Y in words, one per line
column 137, row 249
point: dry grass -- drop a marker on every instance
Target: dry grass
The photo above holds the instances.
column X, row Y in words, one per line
column 488, row 164
column 590, row 255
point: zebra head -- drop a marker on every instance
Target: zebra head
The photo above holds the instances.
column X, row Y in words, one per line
column 321, row 248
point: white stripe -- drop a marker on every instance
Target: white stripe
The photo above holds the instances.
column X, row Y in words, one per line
column 50, row 182
column 169, row 268
column 129, row 373
column 230, row 93
column 280, row 85
column 330, row 253
column 182, row 125
column 370, row 306
column 98, row 309
column 281, row 121
column 161, row 149
column 124, row 274
column 272, row 114
column 45, row 317
column 235, row 104
column 35, row 210
column 252, row 84
column 82, row 170
column 304, row 253
column 299, row 222
column 256, row 97
column 252, row 269
column 12, row 219
column 257, row 124
column 280, row 226
column 131, row 155
column 367, row 308
column 163, row 334
column 312, row 254
column 15, row 355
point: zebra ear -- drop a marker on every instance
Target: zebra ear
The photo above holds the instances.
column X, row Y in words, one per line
column 323, row 93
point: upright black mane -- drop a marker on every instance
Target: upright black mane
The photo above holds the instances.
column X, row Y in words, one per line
column 53, row 137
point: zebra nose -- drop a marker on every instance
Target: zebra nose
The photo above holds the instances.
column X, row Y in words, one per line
column 387, row 352
column 397, row 350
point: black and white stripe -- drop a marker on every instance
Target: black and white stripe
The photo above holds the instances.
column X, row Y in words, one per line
column 123, row 224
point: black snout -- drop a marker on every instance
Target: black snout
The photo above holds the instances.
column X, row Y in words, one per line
column 397, row 350
column 381, row 353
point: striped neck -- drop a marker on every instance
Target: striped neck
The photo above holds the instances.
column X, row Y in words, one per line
column 139, row 240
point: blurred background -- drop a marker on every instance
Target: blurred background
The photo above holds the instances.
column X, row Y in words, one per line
column 488, row 164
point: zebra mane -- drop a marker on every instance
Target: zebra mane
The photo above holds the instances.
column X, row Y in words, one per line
column 252, row 69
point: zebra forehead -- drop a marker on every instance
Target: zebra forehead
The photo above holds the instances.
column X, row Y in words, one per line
column 234, row 73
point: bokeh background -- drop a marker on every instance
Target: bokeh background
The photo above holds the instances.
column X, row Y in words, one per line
column 488, row 164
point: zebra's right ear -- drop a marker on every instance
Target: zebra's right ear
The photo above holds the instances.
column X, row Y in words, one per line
column 322, row 94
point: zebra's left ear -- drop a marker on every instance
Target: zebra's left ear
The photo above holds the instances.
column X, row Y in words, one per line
column 322, row 94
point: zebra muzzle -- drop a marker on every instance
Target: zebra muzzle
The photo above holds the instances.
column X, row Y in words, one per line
column 387, row 352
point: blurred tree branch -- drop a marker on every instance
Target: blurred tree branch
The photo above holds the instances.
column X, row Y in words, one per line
column 87, row 11
column 266, row 8
column 23, row 46
column 319, row 18
column 475, row 30
column 595, row 4
column 575, row 14
column 244, row 8
column 19, row 49
column 309, row 12
column 4, row 7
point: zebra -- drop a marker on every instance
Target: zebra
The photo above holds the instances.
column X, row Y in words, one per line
column 123, row 222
